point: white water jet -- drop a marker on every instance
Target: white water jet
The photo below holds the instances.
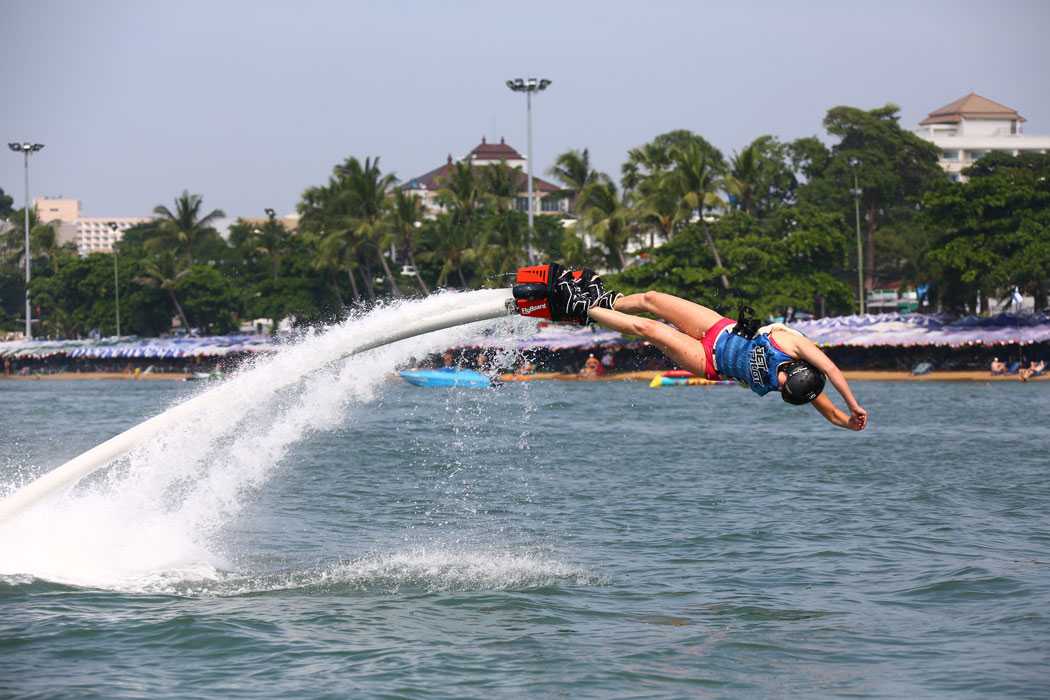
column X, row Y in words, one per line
column 154, row 516
column 483, row 305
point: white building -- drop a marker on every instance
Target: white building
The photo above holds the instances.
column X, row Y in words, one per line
column 96, row 235
column 90, row 234
column 972, row 127
column 544, row 193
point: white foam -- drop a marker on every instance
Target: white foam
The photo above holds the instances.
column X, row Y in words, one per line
column 156, row 517
column 433, row 569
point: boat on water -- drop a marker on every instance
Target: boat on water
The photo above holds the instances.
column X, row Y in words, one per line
column 681, row 377
column 446, row 377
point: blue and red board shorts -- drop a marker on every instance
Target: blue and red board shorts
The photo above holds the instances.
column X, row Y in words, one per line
column 708, row 341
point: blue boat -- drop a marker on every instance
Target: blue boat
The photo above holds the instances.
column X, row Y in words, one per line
column 446, row 377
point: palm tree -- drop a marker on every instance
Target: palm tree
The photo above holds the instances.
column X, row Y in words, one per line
column 697, row 181
column 271, row 242
column 340, row 248
column 606, row 218
column 451, row 247
column 501, row 183
column 461, row 193
column 743, row 174
column 656, row 206
column 162, row 271
column 573, row 169
column 185, row 228
column 325, row 216
column 43, row 241
column 404, row 214
column 647, row 161
column 366, row 188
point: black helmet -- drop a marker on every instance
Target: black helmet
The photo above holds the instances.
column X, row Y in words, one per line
column 803, row 384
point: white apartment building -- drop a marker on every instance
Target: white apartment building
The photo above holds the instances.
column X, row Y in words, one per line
column 90, row 234
column 973, row 126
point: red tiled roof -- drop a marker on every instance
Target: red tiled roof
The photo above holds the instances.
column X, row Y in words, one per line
column 432, row 180
column 493, row 151
column 429, row 180
column 971, row 106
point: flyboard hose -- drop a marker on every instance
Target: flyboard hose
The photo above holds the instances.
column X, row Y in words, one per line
column 529, row 297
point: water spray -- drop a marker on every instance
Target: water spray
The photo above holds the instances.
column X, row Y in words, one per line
column 529, row 297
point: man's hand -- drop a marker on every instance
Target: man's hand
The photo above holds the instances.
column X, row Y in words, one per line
column 858, row 418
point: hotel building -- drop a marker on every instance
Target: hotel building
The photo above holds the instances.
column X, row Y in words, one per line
column 974, row 126
column 90, row 234
column 427, row 185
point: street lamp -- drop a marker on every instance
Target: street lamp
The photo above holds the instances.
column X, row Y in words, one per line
column 529, row 86
column 116, row 275
column 25, row 148
column 857, row 192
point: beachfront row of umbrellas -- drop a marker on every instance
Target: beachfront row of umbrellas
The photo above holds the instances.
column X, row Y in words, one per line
column 871, row 330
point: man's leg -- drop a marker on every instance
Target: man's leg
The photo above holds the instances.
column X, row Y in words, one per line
column 692, row 319
column 686, row 351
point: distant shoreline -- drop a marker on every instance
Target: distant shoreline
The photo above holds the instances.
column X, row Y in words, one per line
column 852, row 375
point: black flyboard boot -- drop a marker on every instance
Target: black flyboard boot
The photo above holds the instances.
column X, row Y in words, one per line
column 550, row 292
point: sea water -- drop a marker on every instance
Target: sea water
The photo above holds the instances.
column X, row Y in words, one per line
column 353, row 536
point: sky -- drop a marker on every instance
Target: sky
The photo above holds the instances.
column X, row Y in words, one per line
column 250, row 102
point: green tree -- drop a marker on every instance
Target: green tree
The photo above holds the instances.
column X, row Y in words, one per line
column 461, row 193
column 894, row 167
column 6, row 202
column 449, row 247
column 760, row 177
column 605, row 217
column 366, row 188
column 777, row 263
column 269, row 242
column 697, row 180
column 404, row 218
column 43, row 242
column 185, row 229
column 655, row 185
column 208, row 297
column 163, row 272
column 327, row 216
column 573, row 169
column 79, row 298
column 500, row 183
column 994, row 231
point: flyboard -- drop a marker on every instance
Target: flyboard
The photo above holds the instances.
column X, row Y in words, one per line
column 530, row 296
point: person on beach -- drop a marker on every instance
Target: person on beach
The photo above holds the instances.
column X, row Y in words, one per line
column 1034, row 369
column 768, row 358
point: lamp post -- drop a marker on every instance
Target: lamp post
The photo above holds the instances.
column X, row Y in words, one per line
column 529, row 86
column 857, row 192
column 116, row 275
column 25, row 148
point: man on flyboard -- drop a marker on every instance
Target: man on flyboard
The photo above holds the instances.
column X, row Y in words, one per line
column 767, row 358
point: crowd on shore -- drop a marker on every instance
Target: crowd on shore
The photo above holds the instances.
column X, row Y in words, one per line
column 1021, row 361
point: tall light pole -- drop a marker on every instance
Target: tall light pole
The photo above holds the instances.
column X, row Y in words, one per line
column 857, row 192
column 25, row 148
column 116, row 275
column 529, row 86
